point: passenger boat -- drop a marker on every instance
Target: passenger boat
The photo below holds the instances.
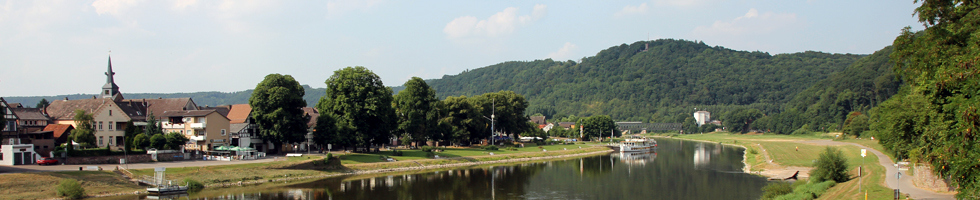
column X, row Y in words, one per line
column 637, row 144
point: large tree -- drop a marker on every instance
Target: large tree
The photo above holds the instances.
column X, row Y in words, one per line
column 152, row 126
column 740, row 120
column 361, row 105
column 277, row 107
column 418, row 111
column 599, row 126
column 507, row 109
column 940, row 65
column 463, row 120
column 83, row 134
column 129, row 134
column 176, row 140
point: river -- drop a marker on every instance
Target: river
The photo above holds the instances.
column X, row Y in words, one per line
column 676, row 170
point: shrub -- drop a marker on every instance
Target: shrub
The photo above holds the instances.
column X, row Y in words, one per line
column 831, row 166
column 512, row 148
column 490, row 148
column 753, row 151
column 195, row 185
column 70, row 189
column 776, row 189
column 431, row 149
column 397, row 153
column 810, row 190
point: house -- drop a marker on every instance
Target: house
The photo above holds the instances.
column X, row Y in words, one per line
column 566, row 125
column 206, row 129
column 10, row 127
column 112, row 111
column 243, row 130
column 540, row 120
column 702, row 117
column 59, row 132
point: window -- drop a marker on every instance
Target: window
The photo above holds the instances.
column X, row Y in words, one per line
column 100, row 128
column 110, row 141
column 222, row 132
column 110, row 124
column 100, row 140
column 110, row 112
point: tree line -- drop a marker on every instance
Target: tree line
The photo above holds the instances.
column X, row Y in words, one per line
column 358, row 111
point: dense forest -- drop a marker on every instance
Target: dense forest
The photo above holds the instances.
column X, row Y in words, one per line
column 652, row 81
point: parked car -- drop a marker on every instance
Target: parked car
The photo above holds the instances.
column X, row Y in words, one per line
column 47, row 161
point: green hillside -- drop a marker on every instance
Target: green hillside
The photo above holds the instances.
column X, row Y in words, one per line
column 637, row 83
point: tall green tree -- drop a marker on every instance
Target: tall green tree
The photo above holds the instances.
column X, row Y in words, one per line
column 129, row 133
column 277, row 107
column 43, row 103
column 855, row 124
column 690, row 125
column 418, row 110
column 141, row 141
column 940, row 65
column 361, row 105
column 507, row 109
column 464, row 120
column 599, row 126
column 83, row 134
column 152, row 126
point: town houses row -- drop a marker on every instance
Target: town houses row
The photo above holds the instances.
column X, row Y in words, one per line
column 205, row 127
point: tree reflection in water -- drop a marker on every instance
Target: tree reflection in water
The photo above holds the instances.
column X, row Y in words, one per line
column 668, row 173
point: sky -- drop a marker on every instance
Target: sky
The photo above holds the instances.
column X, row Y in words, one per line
column 169, row 46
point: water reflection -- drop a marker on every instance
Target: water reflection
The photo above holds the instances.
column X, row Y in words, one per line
column 667, row 173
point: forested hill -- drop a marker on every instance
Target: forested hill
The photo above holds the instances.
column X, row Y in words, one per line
column 639, row 83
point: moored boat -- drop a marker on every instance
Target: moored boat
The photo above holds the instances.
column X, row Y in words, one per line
column 637, row 144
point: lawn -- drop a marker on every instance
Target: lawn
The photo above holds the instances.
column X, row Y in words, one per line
column 42, row 185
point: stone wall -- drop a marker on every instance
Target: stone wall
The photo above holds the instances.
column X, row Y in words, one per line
column 138, row 158
column 925, row 178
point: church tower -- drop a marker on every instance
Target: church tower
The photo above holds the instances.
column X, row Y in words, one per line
column 110, row 89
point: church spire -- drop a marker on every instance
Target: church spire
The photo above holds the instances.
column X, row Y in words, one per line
column 110, row 88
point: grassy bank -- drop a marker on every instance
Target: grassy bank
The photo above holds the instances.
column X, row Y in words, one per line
column 42, row 185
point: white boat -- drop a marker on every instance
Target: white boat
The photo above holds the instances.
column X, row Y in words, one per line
column 637, row 144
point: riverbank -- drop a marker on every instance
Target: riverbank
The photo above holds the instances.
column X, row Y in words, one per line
column 778, row 156
column 105, row 183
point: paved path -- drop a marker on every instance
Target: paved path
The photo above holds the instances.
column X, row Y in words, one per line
column 905, row 184
column 186, row 163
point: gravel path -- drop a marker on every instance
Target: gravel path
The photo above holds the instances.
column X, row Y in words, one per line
column 905, row 184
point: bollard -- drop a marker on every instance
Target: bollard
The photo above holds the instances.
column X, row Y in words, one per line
column 79, row 168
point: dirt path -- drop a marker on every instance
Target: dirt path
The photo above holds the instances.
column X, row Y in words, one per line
column 891, row 180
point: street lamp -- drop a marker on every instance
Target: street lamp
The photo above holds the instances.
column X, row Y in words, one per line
column 492, row 117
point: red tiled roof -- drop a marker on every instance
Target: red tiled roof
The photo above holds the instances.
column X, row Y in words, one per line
column 184, row 113
column 58, row 129
column 239, row 113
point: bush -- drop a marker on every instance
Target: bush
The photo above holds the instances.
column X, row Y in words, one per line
column 831, row 166
column 397, row 153
column 193, row 184
column 431, row 149
column 810, row 190
column 753, row 151
column 490, row 148
column 512, row 148
column 776, row 189
column 70, row 189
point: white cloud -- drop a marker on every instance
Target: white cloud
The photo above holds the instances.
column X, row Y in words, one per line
column 564, row 52
column 113, row 7
column 183, row 4
column 631, row 10
column 751, row 23
column 339, row 7
column 502, row 23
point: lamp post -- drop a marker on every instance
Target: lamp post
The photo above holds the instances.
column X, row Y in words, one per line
column 492, row 121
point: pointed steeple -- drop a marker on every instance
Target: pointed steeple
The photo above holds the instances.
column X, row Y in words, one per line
column 110, row 88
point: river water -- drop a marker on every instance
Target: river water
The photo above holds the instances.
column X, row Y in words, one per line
column 676, row 170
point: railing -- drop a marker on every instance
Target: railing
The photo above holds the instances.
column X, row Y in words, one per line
column 198, row 125
column 173, row 126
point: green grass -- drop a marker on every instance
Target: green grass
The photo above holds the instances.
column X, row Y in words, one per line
column 42, row 185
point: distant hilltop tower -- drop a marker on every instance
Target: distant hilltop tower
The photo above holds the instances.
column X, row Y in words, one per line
column 110, row 89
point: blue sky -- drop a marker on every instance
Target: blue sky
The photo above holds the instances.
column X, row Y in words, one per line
column 60, row 47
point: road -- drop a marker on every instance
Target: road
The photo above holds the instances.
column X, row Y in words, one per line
column 186, row 163
column 893, row 182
